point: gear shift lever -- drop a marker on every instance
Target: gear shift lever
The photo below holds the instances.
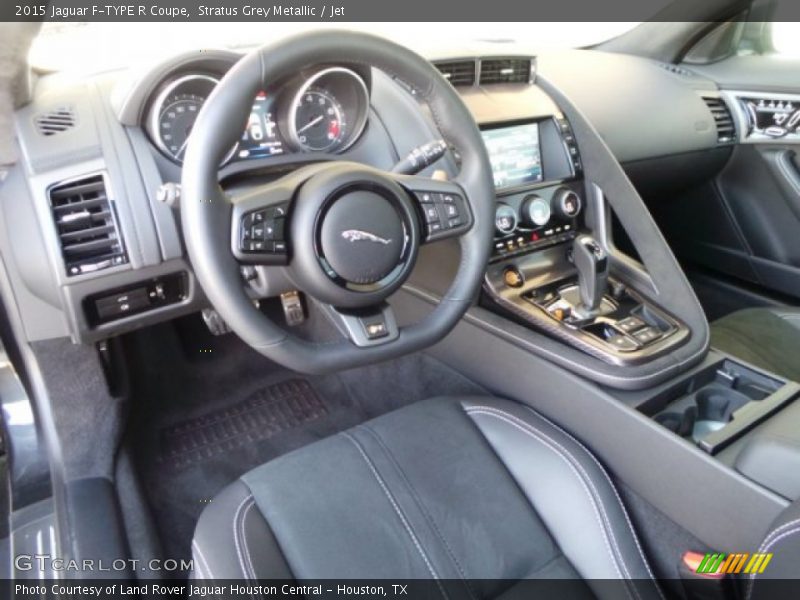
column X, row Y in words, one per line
column 591, row 262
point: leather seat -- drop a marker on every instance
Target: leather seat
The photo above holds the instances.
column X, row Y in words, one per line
column 473, row 491
column 768, row 338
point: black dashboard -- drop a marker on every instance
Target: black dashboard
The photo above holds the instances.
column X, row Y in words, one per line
column 97, row 232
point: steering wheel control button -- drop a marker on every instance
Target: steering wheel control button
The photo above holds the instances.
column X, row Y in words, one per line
column 262, row 231
column 443, row 213
column 362, row 237
column 431, row 214
column 375, row 327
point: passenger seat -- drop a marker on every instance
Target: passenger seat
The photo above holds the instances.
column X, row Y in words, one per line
column 765, row 337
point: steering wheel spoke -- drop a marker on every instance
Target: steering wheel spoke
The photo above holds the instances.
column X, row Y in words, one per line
column 444, row 207
column 371, row 326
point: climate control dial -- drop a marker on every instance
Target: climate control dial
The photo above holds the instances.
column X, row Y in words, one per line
column 567, row 203
column 505, row 219
column 535, row 211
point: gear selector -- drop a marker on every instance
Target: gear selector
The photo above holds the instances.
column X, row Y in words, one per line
column 591, row 262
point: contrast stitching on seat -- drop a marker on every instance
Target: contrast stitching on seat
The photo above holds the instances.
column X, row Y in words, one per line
column 776, row 531
column 396, row 508
column 613, row 488
column 616, row 560
column 245, row 546
column 418, row 501
column 203, row 560
column 236, row 528
column 579, row 466
column 764, row 548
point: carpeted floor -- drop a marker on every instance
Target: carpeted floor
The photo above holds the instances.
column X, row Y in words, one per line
column 207, row 409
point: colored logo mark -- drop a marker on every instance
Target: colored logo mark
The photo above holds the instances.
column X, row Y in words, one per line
column 734, row 563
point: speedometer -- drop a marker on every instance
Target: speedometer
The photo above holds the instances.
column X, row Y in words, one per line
column 174, row 112
column 318, row 123
column 175, row 123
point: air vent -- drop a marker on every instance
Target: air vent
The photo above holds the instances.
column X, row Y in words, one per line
column 505, row 70
column 86, row 225
column 676, row 69
column 56, row 121
column 726, row 132
column 458, row 72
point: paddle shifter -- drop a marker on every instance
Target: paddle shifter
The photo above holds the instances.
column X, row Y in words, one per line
column 591, row 262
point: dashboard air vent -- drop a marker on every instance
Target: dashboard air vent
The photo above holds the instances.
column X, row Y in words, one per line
column 505, row 70
column 678, row 70
column 726, row 131
column 458, row 72
column 86, row 225
column 56, row 121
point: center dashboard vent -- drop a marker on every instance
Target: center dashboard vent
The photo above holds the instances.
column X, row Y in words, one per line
column 458, row 72
column 505, row 70
column 55, row 121
column 86, row 224
column 726, row 131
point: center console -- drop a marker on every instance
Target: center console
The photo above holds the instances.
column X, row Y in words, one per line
column 548, row 269
column 613, row 347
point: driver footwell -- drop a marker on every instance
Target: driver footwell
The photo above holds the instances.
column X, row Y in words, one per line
column 207, row 409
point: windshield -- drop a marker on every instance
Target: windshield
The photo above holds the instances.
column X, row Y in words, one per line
column 100, row 46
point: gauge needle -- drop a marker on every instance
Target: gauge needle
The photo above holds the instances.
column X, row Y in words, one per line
column 182, row 148
column 310, row 124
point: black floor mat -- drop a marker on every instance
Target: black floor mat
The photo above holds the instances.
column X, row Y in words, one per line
column 207, row 410
column 264, row 413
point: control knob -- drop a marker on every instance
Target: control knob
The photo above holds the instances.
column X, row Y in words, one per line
column 505, row 219
column 567, row 203
column 535, row 211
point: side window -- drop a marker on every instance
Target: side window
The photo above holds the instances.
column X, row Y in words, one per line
column 786, row 37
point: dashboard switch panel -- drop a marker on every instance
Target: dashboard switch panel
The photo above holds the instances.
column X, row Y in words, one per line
column 135, row 299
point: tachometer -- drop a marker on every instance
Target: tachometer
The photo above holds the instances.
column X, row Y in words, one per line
column 318, row 123
column 329, row 111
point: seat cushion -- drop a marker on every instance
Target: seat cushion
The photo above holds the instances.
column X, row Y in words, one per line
column 473, row 490
column 768, row 338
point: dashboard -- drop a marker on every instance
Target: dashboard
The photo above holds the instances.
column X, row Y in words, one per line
column 113, row 144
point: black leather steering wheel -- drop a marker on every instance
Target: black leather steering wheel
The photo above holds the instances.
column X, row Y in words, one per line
column 352, row 231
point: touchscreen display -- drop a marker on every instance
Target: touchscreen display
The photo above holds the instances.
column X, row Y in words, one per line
column 514, row 154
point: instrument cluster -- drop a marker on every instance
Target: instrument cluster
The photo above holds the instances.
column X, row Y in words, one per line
column 325, row 111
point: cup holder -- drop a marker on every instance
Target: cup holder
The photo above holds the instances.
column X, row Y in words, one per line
column 706, row 403
column 712, row 408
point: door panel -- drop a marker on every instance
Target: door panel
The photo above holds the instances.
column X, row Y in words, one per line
column 746, row 223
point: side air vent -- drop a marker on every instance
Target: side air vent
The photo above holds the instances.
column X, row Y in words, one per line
column 505, row 70
column 458, row 72
column 56, row 121
column 726, row 131
column 86, row 225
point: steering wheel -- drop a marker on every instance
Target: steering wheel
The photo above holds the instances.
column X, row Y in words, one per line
column 352, row 232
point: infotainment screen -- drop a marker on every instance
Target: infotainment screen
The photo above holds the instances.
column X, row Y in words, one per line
column 514, row 154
